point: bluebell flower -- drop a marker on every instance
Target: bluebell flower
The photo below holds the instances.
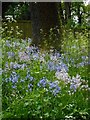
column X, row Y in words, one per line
column 28, row 76
column 42, row 82
column 83, row 57
column 11, row 54
column 23, row 66
column 58, row 68
column 72, row 61
column 22, row 80
column 8, row 43
column 7, row 79
column 58, row 55
column 29, row 50
column 66, row 59
column 35, row 56
column 23, row 56
column 52, row 85
column 53, row 58
column 29, row 40
column 31, row 78
column 64, row 66
column 56, row 90
column 6, row 65
column 30, row 86
column 63, row 75
column 16, row 66
column 14, row 79
column 14, row 73
column 13, row 86
column 73, row 87
column 62, row 57
column 26, row 90
column 51, row 66
column 80, row 64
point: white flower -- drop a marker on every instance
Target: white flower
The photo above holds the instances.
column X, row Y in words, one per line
column 76, row 81
column 53, row 58
column 23, row 56
column 63, row 75
column 42, row 59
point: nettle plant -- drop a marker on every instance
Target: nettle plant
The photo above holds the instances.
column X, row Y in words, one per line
column 37, row 84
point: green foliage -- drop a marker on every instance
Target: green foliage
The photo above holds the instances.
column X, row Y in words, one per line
column 8, row 31
column 53, row 39
column 75, row 48
column 18, row 11
column 33, row 87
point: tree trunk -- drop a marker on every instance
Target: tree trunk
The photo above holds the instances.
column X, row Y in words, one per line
column 67, row 11
column 61, row 13
column 43, row 16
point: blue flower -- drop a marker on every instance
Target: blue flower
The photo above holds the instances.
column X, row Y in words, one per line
column 52, row 85
column 31, row 78
column 35, row 56
column 56, row 90
column 7, row 79
column 30, row 86
column 64, row 66
column 51, row 66
column 66, row 59
column 29, row 50
column 14, row 73
column 8, row 43
column 6, row 65
column 22, row 80
column 80, row 64
column 42, row 82
column 28, row 76
column 83, row 57
column 58, row 68
column 16, row 66
column 15, row 79
column 23, row 66
column 57, row 54
column 73, row 87
column 13, row 86
column 11, row 54
column 29, row 40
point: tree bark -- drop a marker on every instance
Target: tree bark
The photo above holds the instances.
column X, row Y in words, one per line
column 43, row 16
column 67, row 11
column 61, row 13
